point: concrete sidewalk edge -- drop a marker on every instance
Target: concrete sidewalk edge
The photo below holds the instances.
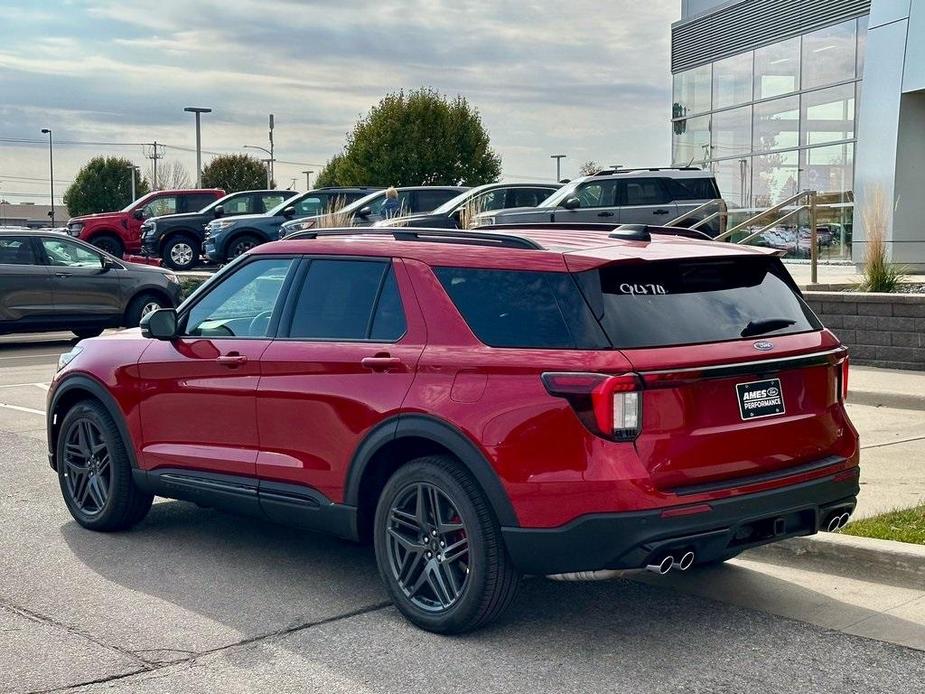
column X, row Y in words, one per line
column 864, row 558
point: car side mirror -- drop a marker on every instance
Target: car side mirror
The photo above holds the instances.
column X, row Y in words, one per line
column 289, row 212
column 139, row 213
column 106, row 264
column 218, row 211
column 571, row 203
column 160, row 324
column 364, row 212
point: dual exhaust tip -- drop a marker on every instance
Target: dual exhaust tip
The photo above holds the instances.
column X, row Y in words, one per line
column 669, row 562
column 837, row 522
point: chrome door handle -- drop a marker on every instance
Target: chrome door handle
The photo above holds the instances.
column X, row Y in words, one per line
column 605, row 214
column 231, row 360
column 660, row 212
column 383, row 363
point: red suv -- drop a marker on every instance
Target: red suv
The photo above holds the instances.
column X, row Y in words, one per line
column 118, row 233
column 481, row 405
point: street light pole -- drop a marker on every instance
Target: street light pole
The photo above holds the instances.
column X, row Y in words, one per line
column 132, row 168
column 51, row 172
column 268, row 162
column 308, row 179
column 558, row 158
column 272, row 158
column 198, row 112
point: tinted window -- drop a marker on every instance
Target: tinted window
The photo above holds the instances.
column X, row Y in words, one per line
column 597, row 193
column 692, row 188
column 527, row 197
column 644, row 191
column 663, row 303
column 196, row 201
column 70, row 254
column 16, row 251
column 348, row 300
column 427, row 200
column 241, row 305
column 506, row 308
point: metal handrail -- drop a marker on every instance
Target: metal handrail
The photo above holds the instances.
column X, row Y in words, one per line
column 751, row 220
column 722, row 213
column 795, row 210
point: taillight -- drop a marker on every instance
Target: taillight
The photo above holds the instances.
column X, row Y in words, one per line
column 610, row 406
column 843, row 380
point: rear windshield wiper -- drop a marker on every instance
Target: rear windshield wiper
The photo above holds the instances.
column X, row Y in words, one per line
column 759, row 327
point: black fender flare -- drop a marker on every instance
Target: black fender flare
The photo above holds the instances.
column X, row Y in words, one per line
column 80, row 381
column 178, row 231
column 442, row 433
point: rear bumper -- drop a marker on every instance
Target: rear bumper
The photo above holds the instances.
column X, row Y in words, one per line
column 633, row 540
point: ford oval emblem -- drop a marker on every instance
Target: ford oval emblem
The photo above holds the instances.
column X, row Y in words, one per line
column 764, row 346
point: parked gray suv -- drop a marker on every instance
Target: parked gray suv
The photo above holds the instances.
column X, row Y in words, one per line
column 49, row 281
column 622, row 196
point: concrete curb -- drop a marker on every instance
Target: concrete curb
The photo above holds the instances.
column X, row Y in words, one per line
column 900, row 401
column 864, row 558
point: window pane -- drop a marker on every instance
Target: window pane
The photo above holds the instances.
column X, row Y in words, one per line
column 527, row 197
column 506, row 308
column 242, row 305
column 161, row 206
column 692, row 92
column 597, row 194
column 427, row 200
column 732, row 177
column 732, row 132
column 645, row 191
column 732, row 81
column 828, row 170
column 240, row 205
column 828, row 115
column 775, row 178
column 15, row 251
column 700, row 188
column 777, row 124
column 337, row 299
column 68, row 254
column 691, row 140
column 492, row 200
column 777, row 69
column 389, row 322
column 196, row 202
column 311, row 205
column 829, row 55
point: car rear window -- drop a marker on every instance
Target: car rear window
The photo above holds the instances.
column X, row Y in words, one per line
column 510, row 308
column 663, row 303
column 703, row 188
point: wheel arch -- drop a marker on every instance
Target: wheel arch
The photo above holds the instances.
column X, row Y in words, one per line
column 68, row 393
column 105, row 231
column 178, row 231
column 396, row 441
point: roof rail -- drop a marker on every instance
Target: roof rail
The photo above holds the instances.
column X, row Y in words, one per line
column 623, row 231
column 459, row 236
column 643, row 232
column 635, row 169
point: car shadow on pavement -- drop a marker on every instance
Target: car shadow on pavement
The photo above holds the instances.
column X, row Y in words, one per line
column 257, row 578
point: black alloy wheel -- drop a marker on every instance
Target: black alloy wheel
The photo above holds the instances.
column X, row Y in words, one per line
column 428, row 547
column 88, row 467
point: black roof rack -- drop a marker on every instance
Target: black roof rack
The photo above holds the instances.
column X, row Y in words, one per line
column 623, row 231
column 460, row 236
column 634, row 169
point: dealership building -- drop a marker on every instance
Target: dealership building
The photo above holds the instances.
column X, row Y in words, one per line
column 782, row 96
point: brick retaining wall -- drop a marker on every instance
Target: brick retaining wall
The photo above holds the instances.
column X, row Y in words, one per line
column 885, row 330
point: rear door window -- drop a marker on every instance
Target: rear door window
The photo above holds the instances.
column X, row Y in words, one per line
column 16, row 251
column 644, row 191
column 508, row 308
column 664, row 303
column 692, row 188
column 427, row 200
column 527, row 197
column 348, row 300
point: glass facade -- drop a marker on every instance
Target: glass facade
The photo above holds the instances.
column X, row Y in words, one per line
column 776, row 120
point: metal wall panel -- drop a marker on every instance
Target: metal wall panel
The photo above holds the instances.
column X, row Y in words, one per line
column 751, row 24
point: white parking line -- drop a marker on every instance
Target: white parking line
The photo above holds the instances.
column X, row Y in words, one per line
column 21, row 409
column 43, row 386
column 32, row 356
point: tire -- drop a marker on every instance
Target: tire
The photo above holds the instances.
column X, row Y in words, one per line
column 140, row 306
column 180, row 252
column 109, row 243
column 83, row 333
column 446, row 596
column 94, row 471
column 242, row 244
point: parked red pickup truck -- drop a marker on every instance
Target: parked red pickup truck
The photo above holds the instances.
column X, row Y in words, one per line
column 120, row 232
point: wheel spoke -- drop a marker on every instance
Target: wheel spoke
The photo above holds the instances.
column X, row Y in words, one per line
column 410, row 545
column 434, row 502
column 456, row 550
column 437, row 584
column 97, row 492
column 103, row 464
column 406, row 519
column 447, row 572
column 409, row 564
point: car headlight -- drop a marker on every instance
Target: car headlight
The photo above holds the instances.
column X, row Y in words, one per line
column 75, row 229
column 219, row 224
column 68, row 357
column 292, row 227
column 172, row 277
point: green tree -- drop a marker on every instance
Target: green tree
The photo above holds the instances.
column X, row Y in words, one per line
column 235, row 172
column 416, row 138
column 103, row 184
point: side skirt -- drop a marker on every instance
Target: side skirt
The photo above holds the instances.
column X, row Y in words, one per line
column 288, row 504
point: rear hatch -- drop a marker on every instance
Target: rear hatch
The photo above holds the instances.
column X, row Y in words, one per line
column 740, row 381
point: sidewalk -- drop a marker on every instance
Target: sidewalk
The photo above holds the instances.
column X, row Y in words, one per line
column 832, row 277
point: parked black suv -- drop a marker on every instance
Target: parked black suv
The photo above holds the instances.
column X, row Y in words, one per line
column 457, row 211
column 177, row 238
column 230, row 237
column 49, row 281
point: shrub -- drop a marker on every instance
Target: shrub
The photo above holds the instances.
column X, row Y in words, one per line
column 880, row 275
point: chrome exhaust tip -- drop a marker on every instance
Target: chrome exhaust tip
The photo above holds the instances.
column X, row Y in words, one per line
column 663, row 567
column 686, row 561
column 834, row 522
column 843, row 520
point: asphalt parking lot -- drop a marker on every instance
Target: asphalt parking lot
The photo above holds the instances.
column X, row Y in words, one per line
column 195, row 600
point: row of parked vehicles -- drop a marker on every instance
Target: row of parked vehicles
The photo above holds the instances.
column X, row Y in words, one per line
column 185, row 227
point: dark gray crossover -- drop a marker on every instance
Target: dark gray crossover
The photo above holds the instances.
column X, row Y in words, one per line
column 49, row 281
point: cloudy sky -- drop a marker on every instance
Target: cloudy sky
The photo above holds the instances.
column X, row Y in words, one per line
column 585, row 78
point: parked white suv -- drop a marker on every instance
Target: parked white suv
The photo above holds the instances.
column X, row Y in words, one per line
column 622, row 196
